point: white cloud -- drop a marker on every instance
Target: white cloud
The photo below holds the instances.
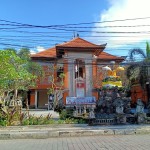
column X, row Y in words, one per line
column 40, row 48
column 32, row 52
column 37, row 49
column 124, row 9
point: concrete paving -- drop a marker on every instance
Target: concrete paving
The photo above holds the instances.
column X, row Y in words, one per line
column 69, row 130
column 117, row 142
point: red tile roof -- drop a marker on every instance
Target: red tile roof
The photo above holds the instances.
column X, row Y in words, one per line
column 106, row 56
column 78, row 42
column 49, row 53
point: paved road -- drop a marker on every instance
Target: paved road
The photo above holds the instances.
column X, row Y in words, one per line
column 117, row 142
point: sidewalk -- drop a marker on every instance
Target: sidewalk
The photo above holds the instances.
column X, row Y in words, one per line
column 68, row 130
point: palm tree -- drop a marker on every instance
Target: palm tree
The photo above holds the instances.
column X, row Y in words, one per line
column 138, row 71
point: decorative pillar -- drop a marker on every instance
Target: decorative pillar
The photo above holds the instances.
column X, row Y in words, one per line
column 35, row 99
column 89, row 78
column 94, row 68
column 71, row 77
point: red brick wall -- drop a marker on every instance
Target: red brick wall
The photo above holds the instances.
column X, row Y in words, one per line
column 138, row 93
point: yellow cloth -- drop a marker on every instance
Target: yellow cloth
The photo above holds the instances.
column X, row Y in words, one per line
column 112, row 73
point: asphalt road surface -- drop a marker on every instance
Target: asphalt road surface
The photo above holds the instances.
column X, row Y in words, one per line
column 117, row 142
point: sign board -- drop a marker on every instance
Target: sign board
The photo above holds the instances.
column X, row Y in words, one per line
column 80, row 100
column 80, row 87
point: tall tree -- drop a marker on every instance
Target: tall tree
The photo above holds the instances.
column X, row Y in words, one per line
column 138, row 70
column 13, row 75
column 148, row 51
column 32, row 67
column 24, row 53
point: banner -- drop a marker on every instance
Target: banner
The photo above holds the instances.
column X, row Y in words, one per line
column 80, row 100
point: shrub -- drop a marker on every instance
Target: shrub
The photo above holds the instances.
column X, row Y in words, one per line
column 3, row 121
column 63, row 114
column 81, row 121
column 60, row 121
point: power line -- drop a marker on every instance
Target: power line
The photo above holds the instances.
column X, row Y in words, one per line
column 30, row 25
column 42, row 37
column 16, row 45
column 114, row 26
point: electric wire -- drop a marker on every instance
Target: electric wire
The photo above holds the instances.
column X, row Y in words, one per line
column 39, row 38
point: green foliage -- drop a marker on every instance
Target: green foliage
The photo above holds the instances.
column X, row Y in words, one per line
column 13, row 74
column 61, row 121
column 63, row 114
column 62, row 75
column 3, row 123
column 25, row 122
column 31, row 67
column 111, row 78
column 35, row 69
column 104, row 88
column 10, row 116
column 50, row 121
column 148, row 50
column 11, row 49
column 137, row 72
column 17, row 72
column 66, row 115
column 74, row 121
column 3, row 119
column 81, row 121
column 24, row 53
column 71, row 121
column 13, row 118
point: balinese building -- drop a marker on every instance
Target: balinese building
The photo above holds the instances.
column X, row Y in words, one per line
column 81, row 62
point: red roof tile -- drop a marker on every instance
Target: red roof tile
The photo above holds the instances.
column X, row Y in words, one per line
column 49, row 53
column 106, row 56
column 79, row 42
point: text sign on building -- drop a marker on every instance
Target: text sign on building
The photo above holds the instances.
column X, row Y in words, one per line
column 80, row 89
column 80, row 100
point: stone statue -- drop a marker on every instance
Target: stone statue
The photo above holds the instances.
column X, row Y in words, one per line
column 119, row 106
column 92, row 114
column 127, row 104
column 139, row 106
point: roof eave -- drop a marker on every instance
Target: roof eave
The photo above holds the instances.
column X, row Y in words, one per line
column 110, row 59
column 43, row 58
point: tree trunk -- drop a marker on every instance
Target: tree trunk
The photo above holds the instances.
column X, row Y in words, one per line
column 15, row 94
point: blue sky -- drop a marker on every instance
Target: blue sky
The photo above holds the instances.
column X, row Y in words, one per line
column 49, row 12
column 58, row 12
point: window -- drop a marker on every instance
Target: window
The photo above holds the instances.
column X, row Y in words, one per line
column 60, row 70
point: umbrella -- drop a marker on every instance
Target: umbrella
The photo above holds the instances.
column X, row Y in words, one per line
column 120, row 68
column 106, row 68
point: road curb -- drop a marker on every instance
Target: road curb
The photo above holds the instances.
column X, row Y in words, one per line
column 44, row 134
